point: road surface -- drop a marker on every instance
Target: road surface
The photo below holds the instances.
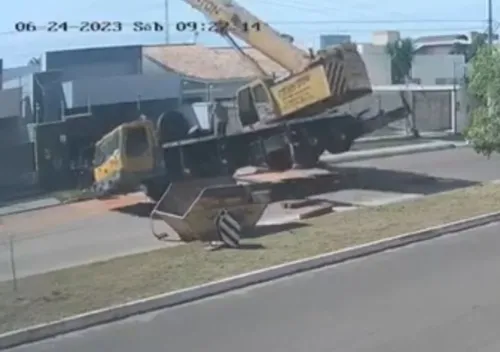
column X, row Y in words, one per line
column 80, row 233
column 440, row 295
column 401, row 177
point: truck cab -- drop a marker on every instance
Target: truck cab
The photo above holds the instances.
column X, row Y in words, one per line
column 255, row 103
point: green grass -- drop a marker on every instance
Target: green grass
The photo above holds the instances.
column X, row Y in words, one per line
column 62, row 293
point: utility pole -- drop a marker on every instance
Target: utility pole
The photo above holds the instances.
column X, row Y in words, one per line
column 490, row 49
column 167, row 23
column 490, row 23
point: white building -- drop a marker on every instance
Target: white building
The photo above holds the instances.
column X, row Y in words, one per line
column 429, row 67
column 438, row 69
column 378, row 63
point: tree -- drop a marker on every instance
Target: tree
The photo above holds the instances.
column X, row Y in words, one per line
column 402, row 53
column 470, row 50
column 484, row 86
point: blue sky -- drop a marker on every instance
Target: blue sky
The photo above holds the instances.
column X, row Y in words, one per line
column 303, row 19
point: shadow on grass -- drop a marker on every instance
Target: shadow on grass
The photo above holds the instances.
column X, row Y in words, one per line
column 265, row 230
column 261, row 231
column 242, row 246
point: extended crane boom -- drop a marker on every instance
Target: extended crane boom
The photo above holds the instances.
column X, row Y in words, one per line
column 244, row 25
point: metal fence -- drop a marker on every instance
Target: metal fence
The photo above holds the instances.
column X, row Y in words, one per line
column 439, row 109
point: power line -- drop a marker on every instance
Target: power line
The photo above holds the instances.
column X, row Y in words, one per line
column 167, row 22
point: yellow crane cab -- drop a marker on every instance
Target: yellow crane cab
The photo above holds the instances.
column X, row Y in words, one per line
column 124, row 156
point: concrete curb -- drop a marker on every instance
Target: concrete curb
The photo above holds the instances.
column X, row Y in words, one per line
column 404, row 137
column 110, row 314
column 401, row 137
column 21, row 211
column 390, row 151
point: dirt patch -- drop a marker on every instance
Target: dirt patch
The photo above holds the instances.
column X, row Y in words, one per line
column 62, row 293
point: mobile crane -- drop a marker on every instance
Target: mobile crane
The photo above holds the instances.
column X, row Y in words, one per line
column 315, row 84
column 280, row 122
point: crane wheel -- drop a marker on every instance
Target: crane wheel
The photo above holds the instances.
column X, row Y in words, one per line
column 279, row 160
column 172, row 126
column 338, row 142
column 306, row 155
column 307, row 148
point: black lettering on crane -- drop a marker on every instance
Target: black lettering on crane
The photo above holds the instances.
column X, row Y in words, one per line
column 208, row 6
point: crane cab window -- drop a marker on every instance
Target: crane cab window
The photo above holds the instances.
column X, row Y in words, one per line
column 260, row 94
column 106, row 147
column 246, row 107
column 136, row 142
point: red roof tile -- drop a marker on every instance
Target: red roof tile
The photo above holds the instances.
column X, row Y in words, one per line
column 210, row 63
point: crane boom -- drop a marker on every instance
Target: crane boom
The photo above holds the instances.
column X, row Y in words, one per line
column 238, row 21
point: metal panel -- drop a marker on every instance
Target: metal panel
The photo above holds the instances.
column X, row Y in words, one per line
column 121, row 89
column 98, row 70
column 10, row 102
column 211, row 90
column 123, row 60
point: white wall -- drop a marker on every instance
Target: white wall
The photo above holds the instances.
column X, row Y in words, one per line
column 438, row 69
column 377, row 62
column 120, row 89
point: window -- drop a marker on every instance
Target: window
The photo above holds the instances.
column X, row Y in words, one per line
column 136, row 142
column 260, row 94
column 106, row 147
column 247, row 113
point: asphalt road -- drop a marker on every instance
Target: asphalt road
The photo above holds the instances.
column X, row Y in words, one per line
column 77, row 242
column 441, row 295
column 459, row 163
column 71, row 235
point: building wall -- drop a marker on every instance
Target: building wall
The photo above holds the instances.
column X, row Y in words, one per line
column 10, row 102
column 434, row 49
column 120, row 89
column 150, row 67
column 48, row 97
column 382, row 38
column 95, row 62
column 432, row 106
column 438, row 69
column 377, row 62
column 426, row 69
column 207, row 91
column 12, row 74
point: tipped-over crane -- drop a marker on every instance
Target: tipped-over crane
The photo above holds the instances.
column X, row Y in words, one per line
column 280, row 122
column 315, row 84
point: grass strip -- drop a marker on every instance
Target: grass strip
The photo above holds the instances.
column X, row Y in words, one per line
column 51, row 296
